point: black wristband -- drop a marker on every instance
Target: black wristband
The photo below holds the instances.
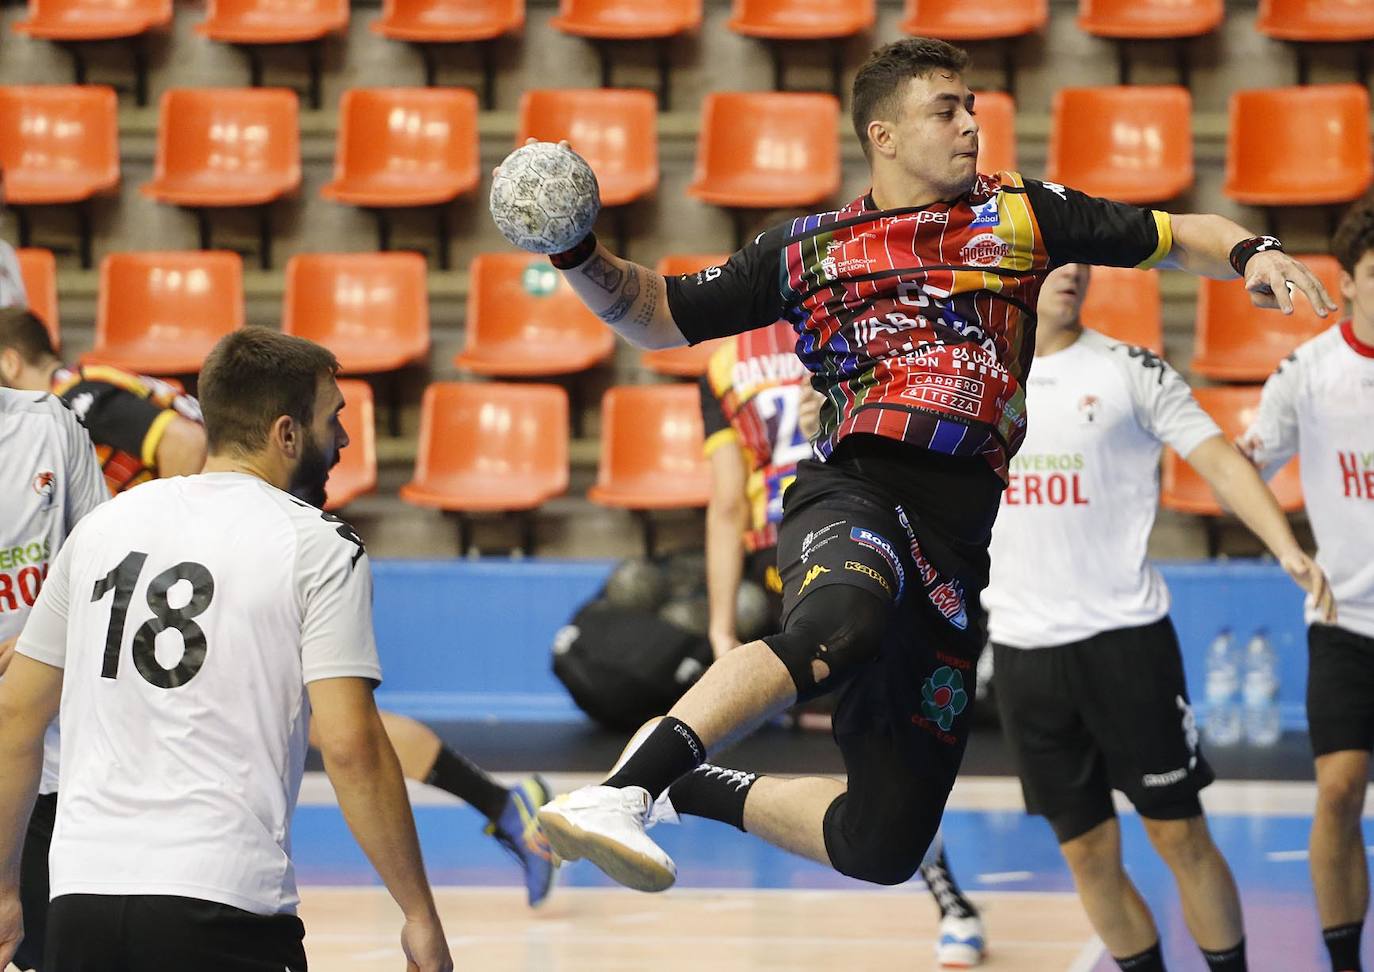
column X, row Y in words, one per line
column 1245, row 249
column 579, row 254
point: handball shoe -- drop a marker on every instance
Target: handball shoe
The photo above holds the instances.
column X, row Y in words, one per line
column 961, row 942
column 605, row 825
column 518, row 831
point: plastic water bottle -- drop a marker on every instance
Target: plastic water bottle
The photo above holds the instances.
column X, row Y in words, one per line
column 1223, row 723
column 1262, row 723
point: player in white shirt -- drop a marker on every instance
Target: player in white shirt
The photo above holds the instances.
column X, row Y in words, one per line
column 1089, row 676
column 12, row 292
column 49, row 479
column 1319, row 405
column 191, row 628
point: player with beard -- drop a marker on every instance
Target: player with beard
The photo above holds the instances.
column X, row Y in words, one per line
column 187, row 632
column 914, row 310
column 1089, row 675
column 144, row 429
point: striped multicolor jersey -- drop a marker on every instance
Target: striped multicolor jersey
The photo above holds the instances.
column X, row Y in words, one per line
column 751, row 400
column 919, row 324
column 125, row 415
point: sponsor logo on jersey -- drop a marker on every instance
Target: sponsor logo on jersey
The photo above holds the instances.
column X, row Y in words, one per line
column 986, row 214
column 1164, row 779
column 868, row 571
column 1087, row 408
column 868, row 538
column 19, row 588
column 946, row 594
column 45, row 485
column 984, row 250
column 1057, row 189
column 943, row 697
column 1190, row 734
column 810, row 544
column 815, row 571
column 1357, row 474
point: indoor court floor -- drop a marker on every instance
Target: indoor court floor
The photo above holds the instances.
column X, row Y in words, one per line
column 740, row 905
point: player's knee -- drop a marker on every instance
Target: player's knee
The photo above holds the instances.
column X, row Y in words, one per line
column 886, row 851
column 829, row 634
column 1180, row 842
column 1095, row 853
column 1341, row 795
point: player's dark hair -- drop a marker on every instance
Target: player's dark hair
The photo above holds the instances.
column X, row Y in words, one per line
column 252, row 377
column 889, row 68
column 22, row 330
column 1355, row 236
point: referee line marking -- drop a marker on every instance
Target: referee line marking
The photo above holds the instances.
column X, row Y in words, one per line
column 1088, row 956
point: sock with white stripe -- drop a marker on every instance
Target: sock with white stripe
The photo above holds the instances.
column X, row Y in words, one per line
column 713, row 792
column 940, row 880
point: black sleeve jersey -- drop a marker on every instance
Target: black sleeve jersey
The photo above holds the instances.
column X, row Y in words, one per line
column 743, row 293
column 1078, row 228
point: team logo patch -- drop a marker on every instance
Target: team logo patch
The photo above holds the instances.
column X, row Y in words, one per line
column 986, row 214
column 1087, row 408
column 868, row 571
column 815, row 571
column 985, row 250
column 870, row 539
column 45, row 485
column 943, row 697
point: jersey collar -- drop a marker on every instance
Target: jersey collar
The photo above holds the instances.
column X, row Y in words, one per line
column 1356, row 345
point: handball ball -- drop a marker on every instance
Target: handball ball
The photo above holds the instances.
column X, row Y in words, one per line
column 545, row 198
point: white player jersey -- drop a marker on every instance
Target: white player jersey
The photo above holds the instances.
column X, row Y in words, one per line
column 189, row 614
column 1068, row 549
column 12, row 292
column 1320, row 405
column 49, row 479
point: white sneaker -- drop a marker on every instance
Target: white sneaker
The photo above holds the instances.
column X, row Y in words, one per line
column 961, row 944
column 605, row 825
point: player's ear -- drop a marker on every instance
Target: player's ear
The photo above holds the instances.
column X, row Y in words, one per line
column 880, row 138
column 1347, row 287
column 285, row 435
column 9, row 366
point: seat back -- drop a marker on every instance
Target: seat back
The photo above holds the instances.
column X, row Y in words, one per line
column 1316, row 20
column 78, row 20
column 58, row 143
column 39, row 271
column 243, row 137
column 997, row 131
column 1124, row 304
column 615, row 130
column 356, row 473
column 627, row 19
column 1299, row 146
column 274, row 20
column 984, row 20
column 408, row 134
column 450, row 21
column 802, row 19
column 1145, row 19
column 1236, row 341
column 651, row 445
column 1132, row 143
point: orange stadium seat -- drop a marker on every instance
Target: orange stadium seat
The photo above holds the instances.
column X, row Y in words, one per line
column 1149, row 19
column 615, row 130
column 88, row 20
column 963, row 21
column 767, row 150
column 1317, row 20
column 626, row 19
column 58, row 143
column 430, row 22
column 1184, row 491
column 39, row 270
column 801, row 19
column 161, row 313
column 1302, row 146
column 370, row 309
column 996, row 111
column 356, row 473
column 488, row 446
column 687, row 362
column 1125, row 304
column 524, row 319
column 272, row 21
column 1129, row 143
column 1236, row 341
column 651, row 449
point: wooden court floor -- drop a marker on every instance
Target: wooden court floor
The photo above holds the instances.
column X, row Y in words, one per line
column 686, row 930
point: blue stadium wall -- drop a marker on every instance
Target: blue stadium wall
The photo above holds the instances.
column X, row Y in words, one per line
column 470, row 640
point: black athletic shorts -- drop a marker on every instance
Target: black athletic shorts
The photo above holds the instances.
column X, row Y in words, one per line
column 164, row 933
column 1340, row 689
column 1108, row 712
column 33, row 882
column 911, row 527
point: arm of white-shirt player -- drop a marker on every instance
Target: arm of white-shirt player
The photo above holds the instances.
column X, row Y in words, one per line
column 1203, row 243
column 727, row 517
column 29, row 697
column 1272, row 439
column 366, row 776
column 1241, row 490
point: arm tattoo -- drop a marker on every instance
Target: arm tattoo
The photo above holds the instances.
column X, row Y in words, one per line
column 645, row 315
column 629, row 293
column 601, row 272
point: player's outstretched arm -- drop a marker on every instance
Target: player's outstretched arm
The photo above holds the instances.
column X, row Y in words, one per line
column 366, row 776
column 1239, row 487
column 630, row 298
column 1206, row 244
column 29, row 698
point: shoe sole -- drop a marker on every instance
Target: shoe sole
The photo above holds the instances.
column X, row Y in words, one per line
column 961, row 958
column 572, row 843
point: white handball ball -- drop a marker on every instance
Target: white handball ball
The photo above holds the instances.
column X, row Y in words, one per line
column 545, row 198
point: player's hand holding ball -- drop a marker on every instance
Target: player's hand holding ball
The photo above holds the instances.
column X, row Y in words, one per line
column 544, row 197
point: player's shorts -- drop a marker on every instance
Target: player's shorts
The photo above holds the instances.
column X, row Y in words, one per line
column 873, row 517
column 1108, row 712
column 33, row 882
column 143, row 932
column 1340, row 689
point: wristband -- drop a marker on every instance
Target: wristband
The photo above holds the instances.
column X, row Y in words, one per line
column 1245, row 249
column 579, row 254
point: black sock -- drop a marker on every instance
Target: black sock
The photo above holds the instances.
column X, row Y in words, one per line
column 1150, row 960
column 1230, row 960
column 713, row 792
column 1343, row 942
column 670, row 751
column 942, row 885
column 468, row 782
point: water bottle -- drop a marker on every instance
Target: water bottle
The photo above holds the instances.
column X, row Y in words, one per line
column 1261, row 691
column 1223, row 723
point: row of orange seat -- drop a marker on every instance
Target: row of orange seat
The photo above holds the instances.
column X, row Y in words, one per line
column 160, row 313
column 449, row 21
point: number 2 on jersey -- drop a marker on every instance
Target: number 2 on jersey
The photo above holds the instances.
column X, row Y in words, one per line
column 122, row 580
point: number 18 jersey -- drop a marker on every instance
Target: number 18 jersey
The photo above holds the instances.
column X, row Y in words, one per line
column 188, row 616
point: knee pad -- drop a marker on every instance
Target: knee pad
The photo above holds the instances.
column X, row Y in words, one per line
column 828, row 635
column 887, row 851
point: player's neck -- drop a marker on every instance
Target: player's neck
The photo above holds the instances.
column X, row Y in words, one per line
column 897, row 190
column 248, row 466
column 1363, row 328
column 1049, row 340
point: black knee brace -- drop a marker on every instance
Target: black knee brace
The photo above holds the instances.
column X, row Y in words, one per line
column 829, row 634
column 883, row 848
